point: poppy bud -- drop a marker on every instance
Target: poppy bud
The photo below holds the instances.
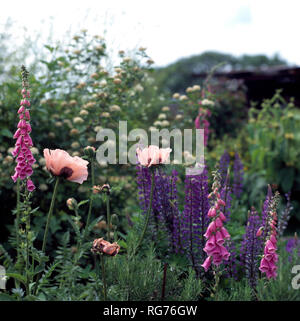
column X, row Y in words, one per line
column 90, row 151
column 71, row 203
column 101, row 225
column 74, row 249
column 114, row 219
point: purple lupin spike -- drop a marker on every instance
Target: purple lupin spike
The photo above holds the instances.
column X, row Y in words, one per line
column 164, row 215
column 232, row 263
column 224, row 165
column 251, row 248
column 285, row 215
column 195, row 219
column 176, row 231
column 162, row 208
column 265, row 211
column 238, row 176
column 226, row 196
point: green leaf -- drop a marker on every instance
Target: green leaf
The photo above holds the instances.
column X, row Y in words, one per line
column 39, row 268
column 17, row 276
column 6, row 132
column 30, row 298
column 82, row 202
column 34, row 210
column 49, row 48
column 287, row 178
column 6, row 297
column 123, row 244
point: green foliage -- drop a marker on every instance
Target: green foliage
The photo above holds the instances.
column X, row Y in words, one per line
column 280, row 289
column 235, row 291
column 274, row 142
column 75, row 91
column 193, row 287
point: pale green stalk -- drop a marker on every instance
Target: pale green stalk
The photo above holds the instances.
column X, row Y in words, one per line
column 50, row 214
column 91, row 199
column 47, row 227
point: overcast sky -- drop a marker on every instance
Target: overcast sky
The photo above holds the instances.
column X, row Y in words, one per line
column 170, row 29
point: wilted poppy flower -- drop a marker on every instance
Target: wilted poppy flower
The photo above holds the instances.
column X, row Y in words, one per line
column 105, row 188
column 153, row 155
column 60, row 163
column 102, row 246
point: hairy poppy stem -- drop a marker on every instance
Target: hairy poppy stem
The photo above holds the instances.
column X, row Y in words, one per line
column 108, row 215
column 103, row 276
column 148, row 214
column 47, row 227
column 50, row 214
column 91, row 198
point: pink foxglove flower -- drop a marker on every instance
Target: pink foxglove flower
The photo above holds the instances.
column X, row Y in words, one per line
column 22, row 151
column 216, row 234
column 201, row 122
column 153, row 155
column 60, row 163
column 270, row 257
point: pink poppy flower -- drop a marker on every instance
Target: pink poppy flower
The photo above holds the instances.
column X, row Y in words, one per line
column 153, row 155
column 60, row 163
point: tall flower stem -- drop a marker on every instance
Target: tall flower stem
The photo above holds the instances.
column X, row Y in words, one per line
column 91, row 199
column 26, row 217
column 108, row 215
column 148, row 214
column 47, row 228
column 103, row 276
column 50, row 213
column 17, row 284
column 217, row 274
column 18, row 220
column 27, row 251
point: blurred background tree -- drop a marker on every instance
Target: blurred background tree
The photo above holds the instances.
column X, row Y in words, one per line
column 179, row 75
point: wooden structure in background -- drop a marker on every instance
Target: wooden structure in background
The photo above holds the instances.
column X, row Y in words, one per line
column 263, row 83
